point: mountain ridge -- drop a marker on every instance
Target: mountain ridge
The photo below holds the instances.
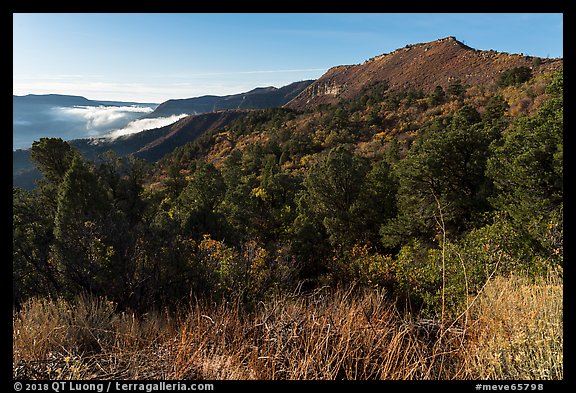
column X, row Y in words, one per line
column 257, row 98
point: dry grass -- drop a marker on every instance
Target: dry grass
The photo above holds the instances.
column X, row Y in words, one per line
column 515, row 331
column 518, row 331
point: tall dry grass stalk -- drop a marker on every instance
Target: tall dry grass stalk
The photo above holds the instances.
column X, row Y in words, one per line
column 515, row 331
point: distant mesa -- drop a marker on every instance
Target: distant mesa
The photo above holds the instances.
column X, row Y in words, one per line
column 63, row 100
column 418, row 66
column 51, row 99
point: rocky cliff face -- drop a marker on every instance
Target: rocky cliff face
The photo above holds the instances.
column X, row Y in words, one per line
column 420, row 66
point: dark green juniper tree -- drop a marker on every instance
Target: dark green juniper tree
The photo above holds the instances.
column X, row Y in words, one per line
column 332, row 193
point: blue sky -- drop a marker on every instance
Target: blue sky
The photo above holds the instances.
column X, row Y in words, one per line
column 152, row 57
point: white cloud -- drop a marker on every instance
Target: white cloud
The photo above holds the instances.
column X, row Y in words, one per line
column 144, row 124
column 100, row 118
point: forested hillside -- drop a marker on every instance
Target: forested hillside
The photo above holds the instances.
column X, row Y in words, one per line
column 424, row 197
column 386, row 180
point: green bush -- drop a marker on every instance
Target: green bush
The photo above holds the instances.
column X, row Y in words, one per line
column 362, row 265
column 437, row 97
column 249, row 273
column 514, row 76
column 497, row 249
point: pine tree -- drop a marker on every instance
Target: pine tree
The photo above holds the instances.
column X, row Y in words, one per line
column 83, row 246
column 527, row 171
column 53, row 157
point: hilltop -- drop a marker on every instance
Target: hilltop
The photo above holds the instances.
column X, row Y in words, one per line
column 421, row 67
